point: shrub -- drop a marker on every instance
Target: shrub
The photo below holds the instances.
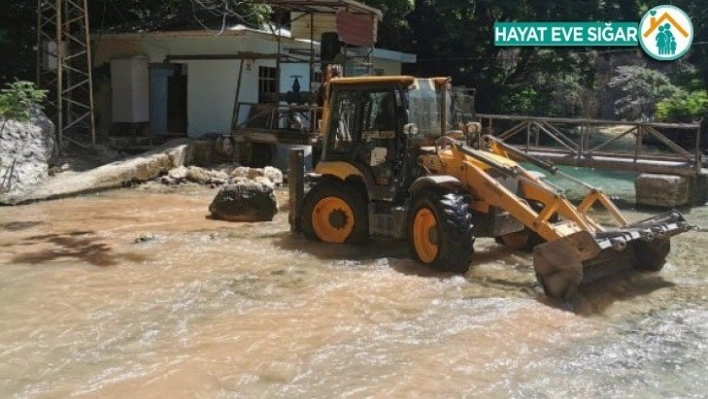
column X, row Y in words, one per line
column 18, row 98
column 683, row 107
column 521, row 101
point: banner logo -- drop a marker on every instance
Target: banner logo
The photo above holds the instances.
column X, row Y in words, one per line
column 565, row 34
column 666, row 33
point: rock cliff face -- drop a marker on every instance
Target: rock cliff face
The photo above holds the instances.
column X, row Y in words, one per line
column 26, row 149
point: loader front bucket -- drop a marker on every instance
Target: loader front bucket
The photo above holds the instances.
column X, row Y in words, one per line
column 563, row 265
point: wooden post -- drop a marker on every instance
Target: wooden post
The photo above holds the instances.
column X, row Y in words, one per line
column 698, row 160
column 638, row 142
column 528, row 136
column 235, row 111
column 237, row 97
column 296, row 187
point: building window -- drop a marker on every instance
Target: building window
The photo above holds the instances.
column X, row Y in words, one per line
column 267, row 84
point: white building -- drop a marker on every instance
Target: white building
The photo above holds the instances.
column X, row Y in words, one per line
column 187, row 81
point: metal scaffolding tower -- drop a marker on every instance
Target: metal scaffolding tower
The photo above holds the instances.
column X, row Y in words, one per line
column 64, row 68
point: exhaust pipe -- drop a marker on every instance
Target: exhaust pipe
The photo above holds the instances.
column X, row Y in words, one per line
column 296, row 188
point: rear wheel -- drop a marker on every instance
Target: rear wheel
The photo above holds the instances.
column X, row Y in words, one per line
column 335, row 212
column 440, row 231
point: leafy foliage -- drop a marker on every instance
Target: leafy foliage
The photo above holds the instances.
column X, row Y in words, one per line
column 642, row 88
column 18, row 99
column 520, row 102
column 160, row 14
column 683, row 107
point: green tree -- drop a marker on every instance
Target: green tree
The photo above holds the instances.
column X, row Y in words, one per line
column 642, row 88
column 698, row 54
column 394, row 32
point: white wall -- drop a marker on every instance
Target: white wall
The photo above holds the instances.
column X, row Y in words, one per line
column 211, row 91
column 210, row 95
column 130, row 80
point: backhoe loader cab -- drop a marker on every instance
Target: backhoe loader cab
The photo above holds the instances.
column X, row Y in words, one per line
column 395, row 164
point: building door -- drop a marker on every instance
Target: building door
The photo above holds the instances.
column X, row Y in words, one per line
column 168, row 98
column 177, row 103
column 158, row 98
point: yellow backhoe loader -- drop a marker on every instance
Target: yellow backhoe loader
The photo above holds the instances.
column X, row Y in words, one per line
column 397, row 163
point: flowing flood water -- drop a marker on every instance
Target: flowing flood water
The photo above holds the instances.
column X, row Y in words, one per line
column 135, row 293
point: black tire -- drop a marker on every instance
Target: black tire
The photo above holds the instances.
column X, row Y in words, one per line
column 453, row 231
column 328, row 190
column 650, row 256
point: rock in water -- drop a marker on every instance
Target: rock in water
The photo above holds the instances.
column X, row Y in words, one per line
column 179, row 173
column 197, row 175
column 274, row 174
column 244, row 202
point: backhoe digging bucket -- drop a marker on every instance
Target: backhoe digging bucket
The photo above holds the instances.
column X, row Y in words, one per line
column 563, row 265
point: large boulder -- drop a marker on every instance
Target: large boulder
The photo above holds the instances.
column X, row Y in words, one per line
column 26, row 149
column 246, row 201
column 662, row 190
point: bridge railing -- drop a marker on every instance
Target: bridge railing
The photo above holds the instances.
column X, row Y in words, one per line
column 585, row 139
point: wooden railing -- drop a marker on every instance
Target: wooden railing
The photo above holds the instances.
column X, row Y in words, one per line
column 672, row 148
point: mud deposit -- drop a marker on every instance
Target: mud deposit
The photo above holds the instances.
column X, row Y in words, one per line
column 136, row 293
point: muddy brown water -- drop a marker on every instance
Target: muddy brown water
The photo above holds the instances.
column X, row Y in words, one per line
column 135, row 293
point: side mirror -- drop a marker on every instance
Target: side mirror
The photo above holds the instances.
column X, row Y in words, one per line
column 410, row 129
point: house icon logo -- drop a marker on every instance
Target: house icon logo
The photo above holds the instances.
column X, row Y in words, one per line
column 666, row 33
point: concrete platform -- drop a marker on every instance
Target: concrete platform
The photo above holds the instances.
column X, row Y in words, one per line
column 139, row 168
column 662, row 190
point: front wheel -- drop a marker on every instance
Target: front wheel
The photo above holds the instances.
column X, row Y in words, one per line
column 440, row 231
